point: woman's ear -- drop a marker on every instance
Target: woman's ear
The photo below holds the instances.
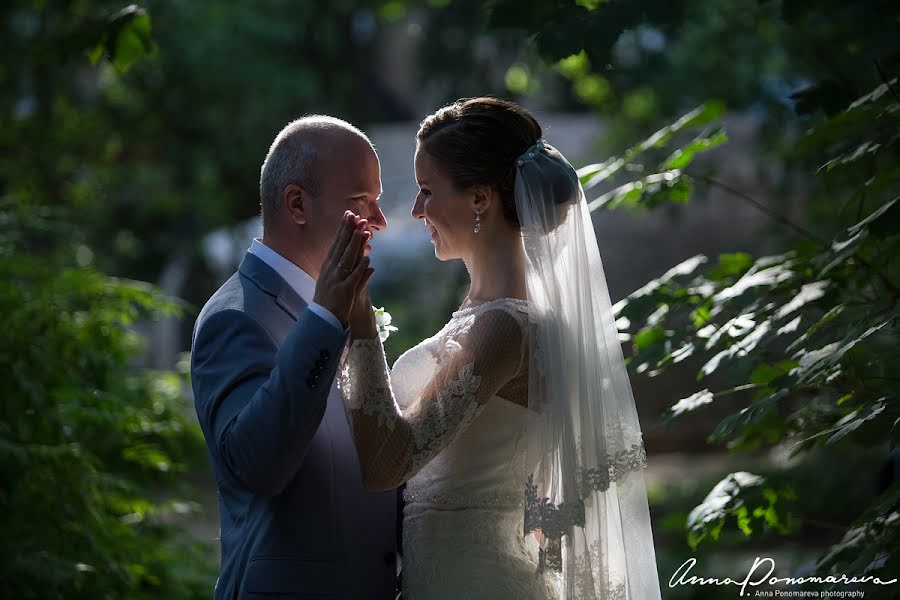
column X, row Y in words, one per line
column 295, row 201
column 482, row 196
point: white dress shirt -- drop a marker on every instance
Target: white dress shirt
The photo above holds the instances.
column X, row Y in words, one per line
column 301, row 281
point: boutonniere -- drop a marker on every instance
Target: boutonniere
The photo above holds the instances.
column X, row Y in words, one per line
column 383, row 323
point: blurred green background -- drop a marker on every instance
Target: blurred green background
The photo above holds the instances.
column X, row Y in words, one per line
column 741, row 162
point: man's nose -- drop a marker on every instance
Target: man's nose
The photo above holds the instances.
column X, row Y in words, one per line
column 377, row 220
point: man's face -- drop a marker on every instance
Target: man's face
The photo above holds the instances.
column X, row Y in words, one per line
column 350, row 180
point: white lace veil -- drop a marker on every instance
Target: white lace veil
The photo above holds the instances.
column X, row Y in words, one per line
column 585, row 499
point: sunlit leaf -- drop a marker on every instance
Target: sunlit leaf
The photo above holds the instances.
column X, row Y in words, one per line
column 756, row 277
column 883, row 222
column 749, row 415
column 849, row 423
column 127, row 39
column 683, row 157
column 692, row 402
column 865, row 149
column 724, row 500
column 708, row 112
column 814, row 365
column 808, row 293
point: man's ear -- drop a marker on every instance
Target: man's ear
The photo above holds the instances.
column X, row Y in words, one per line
column 295, row 201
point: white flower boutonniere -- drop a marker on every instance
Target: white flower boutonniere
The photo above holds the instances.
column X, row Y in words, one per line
column 383, row 323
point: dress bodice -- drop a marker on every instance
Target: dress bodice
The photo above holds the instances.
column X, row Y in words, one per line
column 485, row 464
column 450, row 420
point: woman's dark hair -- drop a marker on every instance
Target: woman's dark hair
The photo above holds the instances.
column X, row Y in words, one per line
column 477, row 142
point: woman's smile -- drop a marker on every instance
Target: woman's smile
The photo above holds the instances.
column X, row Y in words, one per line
column 432, row 230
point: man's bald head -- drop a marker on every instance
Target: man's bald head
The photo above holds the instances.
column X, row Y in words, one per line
column 295, row 158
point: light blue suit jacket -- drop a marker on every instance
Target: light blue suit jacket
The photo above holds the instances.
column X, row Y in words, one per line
column 296, row 521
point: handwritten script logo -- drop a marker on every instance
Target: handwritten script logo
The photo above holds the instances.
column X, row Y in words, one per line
column 680, row 577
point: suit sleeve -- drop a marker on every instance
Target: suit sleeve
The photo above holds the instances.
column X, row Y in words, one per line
column 260, row 406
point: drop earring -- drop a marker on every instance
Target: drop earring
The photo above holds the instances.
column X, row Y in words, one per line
column 477, row 222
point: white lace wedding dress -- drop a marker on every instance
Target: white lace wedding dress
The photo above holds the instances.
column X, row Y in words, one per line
column 450, row 419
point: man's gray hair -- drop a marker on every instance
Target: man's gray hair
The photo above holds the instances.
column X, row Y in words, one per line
column 293, row 159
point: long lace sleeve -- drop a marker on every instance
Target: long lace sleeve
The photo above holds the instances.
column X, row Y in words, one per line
column 394, row 444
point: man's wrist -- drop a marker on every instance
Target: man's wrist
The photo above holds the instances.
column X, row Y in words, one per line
column 328, row 316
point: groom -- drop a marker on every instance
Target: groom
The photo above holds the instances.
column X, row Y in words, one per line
column 295, row 519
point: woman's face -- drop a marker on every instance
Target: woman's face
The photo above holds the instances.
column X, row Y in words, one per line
column 448, row 213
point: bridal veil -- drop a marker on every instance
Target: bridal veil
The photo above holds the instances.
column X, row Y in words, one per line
column 585, row 498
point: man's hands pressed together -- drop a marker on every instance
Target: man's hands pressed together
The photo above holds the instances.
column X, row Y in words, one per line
column 345, row 270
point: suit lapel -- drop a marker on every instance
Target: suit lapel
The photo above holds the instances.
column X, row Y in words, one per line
column 273, row 284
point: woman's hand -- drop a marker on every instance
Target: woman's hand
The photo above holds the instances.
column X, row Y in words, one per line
column 362, row 317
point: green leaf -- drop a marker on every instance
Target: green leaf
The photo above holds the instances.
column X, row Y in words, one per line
column 883, row 222
column 743, row 520
column 685, row 351
column 821, row 363
column 765, row 374
column 880, row 91
column 392, row 10
column 874, row 532
column 749, row 415
column 683, row 157
column 731, row 265
column 724, row 500
column 849, row 423
column 809, row 292
column 761, row 274
column 127, row 39
column 133, row 41
column 701, row 315
column 691, row 403
column 648, row 192
column 747, row 335
column 649, row 336
column 865, row 149
column 707, row 112
column 575, row 65
column 827, row 318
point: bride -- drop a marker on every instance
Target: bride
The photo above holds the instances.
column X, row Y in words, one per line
column 514, row 426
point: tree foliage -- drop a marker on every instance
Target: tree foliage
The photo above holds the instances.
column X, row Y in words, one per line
column 92, row 447
column 152, row 155
column 810, row 336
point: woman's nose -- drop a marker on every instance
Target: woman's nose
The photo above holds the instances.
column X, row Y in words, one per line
column 417, row 211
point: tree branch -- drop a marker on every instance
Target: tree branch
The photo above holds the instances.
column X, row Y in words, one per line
column 763, row 208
